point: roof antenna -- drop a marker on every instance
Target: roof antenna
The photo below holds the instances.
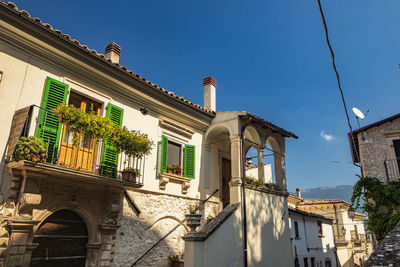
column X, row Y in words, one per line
column 360, row 115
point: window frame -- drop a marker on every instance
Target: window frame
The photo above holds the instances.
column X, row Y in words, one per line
column 296, row 230
column 320, row 229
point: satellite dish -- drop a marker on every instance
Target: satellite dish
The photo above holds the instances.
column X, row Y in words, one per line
column 358, row 113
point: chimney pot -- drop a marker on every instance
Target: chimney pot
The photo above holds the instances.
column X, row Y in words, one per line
column 209, row 85
column 298, row 193
column 113, row 51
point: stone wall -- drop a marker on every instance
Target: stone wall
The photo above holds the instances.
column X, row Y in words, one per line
column 375, row 147
column 388, row 252
column 160, row 213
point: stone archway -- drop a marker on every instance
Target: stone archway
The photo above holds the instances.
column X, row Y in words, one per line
column 62, row 240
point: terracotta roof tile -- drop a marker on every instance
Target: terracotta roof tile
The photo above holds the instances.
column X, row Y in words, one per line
column 66, row 37
column 310, row 201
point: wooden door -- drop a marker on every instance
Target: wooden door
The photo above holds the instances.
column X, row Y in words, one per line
column 226, row 177
column 82, row 156
column 62, row 239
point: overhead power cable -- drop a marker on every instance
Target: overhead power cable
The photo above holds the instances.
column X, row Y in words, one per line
column 337, row 76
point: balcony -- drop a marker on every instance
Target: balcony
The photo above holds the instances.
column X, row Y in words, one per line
column 355, row 237
column 90, row 159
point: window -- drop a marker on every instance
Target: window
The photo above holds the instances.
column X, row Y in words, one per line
column 174, row 154
column 296, row 230
column 312, row 262
column 319, row 229
column 171, row 158
column 328, row 263
column 305, row 262
column 396, row 146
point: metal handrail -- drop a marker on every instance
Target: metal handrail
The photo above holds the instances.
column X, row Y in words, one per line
column 172, row 230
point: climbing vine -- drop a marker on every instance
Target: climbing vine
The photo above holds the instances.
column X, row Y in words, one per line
column 381, row 202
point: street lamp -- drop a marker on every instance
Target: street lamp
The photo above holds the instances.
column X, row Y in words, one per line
column 352, row 213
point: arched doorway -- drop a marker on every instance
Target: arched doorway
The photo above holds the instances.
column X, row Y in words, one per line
column 62, row 239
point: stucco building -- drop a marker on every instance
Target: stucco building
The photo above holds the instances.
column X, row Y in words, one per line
column 75, row 209
column 352, row 245
column 313, row 242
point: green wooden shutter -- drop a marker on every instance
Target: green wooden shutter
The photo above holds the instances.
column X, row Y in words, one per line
column 188, row 165
column 164, row 154
column 49, row 129
column 109, row 154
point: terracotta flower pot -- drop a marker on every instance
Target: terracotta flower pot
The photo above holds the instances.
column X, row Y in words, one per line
column 129, row 176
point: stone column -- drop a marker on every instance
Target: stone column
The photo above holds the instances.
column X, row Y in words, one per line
column 260, row 160
column 236, row 169
column 93, row 254
column 107, row 243
column 280, row 170
column 20, row 247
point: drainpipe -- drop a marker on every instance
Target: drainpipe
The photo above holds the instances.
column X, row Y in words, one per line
column 244, row 193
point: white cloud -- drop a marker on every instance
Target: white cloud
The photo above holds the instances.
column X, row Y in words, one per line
column 327, row 137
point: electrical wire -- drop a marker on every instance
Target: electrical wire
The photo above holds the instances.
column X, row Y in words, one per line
column 337, row 77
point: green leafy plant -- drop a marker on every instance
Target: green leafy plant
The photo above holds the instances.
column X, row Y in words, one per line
column 132, row 143
column 253, row 181
column 209, row 218
column 193, row 209
column 81, row 123
column 30, row 148
column 173, row 258
column 381, row 202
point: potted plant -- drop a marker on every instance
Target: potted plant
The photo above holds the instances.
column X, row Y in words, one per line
column 193, row 219
column 174, row 169
column 174, row 260
column 30, row 148
column 130, row 174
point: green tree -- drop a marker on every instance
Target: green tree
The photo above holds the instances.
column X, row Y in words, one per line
column 381, row 202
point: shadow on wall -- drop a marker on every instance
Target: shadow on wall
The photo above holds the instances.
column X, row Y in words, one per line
column 268, row 229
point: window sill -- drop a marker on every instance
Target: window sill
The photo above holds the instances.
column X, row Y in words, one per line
column 167, row 177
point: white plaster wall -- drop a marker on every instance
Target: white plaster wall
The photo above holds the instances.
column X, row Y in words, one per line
column 225, row 246
column 253, row 172
column 320, row 248
column 268, row 229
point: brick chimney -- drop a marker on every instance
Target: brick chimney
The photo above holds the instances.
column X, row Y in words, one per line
column 209, row 84
column 113, row 51
column 298, row 194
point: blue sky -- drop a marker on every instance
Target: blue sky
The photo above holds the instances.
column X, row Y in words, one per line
column 269, row 57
